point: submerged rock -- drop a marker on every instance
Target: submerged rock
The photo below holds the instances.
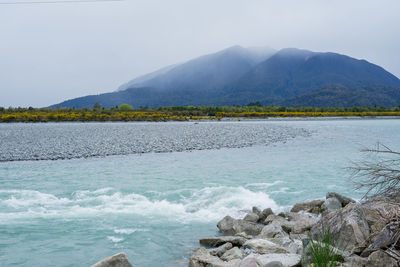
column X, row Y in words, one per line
column 117, row 260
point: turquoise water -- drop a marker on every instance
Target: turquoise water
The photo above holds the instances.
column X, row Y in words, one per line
column 155, row 206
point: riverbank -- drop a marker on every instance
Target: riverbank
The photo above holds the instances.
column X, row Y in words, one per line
column 185, row 113
column 361, row 234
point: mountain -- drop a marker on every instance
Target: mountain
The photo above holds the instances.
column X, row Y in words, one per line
column 293, row 72
column 209, row 72
column 340, row 96
column 238, row 76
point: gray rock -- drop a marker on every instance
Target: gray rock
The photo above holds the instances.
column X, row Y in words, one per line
column 343, row 200
column 202, row 258
column 300, row 222
column 307, row 252
column 256, row 211
column 265, row 213
column 380, row 259
column 221, row 240
column 348, row 226
column 287, row 260
column 117, row 260
column 219, row 251
column 251, row 217
column 232, row 254
column 383, row 239
column 273, row 230
column 264, row 246
column 274, row 218
column 249, row 261
column 331, row 203
column 355, row 261
column 311, row 207
column 231, row 226
column 293, row 246
column 274, row 264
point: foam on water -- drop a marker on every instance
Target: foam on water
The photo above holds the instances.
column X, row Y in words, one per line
column 206, row 204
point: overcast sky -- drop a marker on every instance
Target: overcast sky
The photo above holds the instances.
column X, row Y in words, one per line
column 53, row 52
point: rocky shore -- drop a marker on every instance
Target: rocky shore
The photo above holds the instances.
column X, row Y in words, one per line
column 365, row 234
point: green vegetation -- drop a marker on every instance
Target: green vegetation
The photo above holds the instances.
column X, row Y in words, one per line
column 125, row 107
column 323, row 250
column 126, row 112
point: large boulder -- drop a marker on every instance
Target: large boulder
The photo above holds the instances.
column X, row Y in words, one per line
column 249, row 261
column 221, row 240
column 251, row 217
column 287, row 260
column 380, row 259
column 300, row 222
column 348, row 226
column 264, row 246
column 117, row 260
column 331, row 203
column 273, row 230
column 384, row 239
column 311, row 207
column 202, row 258
column 264, row 214
column 293, row 246
column 232, row 254
column 231, row 226
column 219, row 251
column 342, row 199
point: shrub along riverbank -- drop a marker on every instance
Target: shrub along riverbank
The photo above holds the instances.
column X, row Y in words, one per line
column 180, row 113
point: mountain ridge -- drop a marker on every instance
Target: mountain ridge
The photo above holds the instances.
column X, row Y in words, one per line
column 238, row 76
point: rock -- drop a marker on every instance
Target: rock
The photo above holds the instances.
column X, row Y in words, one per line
column 226, row 225
column 221, row 249
column 202, row 258
column 343, row 200
column 300, row 222
column 251, row 217
column 249, row 261
column 256, row 211
column 117, row 260
column 231, row 226
column 348, row 226
column 380, row 259
column 355, row 261
column 293, row 246
column 232, row 254
column 221, row 240
column 263, row 246
column 383, row 239
column 273, row 230
column 331, row 203
column 287, row 260
column 274, row 218
column 265, row 213
column 312, row 206
column 274, row 264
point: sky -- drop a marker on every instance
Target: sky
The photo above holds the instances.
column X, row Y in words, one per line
column 53, row 52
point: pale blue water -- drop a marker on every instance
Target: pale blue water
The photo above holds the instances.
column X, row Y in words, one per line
column 155, row 206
